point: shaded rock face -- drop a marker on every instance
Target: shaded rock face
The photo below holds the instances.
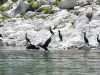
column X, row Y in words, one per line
column 68, row 4
column 22, row 7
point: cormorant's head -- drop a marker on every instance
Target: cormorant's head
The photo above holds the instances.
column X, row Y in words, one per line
column 50, row 27
column 25, row 34
column 84, row 33
column 58, row 30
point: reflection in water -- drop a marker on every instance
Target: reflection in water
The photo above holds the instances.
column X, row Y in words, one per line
column 19, row 61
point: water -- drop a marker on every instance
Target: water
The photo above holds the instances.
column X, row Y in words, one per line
column 20, row 61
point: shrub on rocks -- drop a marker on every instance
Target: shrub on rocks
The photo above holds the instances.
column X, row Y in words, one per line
column 47, row 11
column 33, row 6
column 3, row 9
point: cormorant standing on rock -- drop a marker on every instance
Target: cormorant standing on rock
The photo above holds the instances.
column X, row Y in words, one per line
column 27, row 39
column 86, row 45
column 98, row 39
column 51, row 31
column 1, row 35
column 85, row 39
column 45, row 44
column 60, row 35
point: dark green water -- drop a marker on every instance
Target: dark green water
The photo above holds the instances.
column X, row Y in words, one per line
column 19, row 61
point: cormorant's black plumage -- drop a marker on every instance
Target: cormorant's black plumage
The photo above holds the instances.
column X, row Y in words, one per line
column 51, row 31
column 85, row 39
column 1, row 35
column 27, row 39
column 46, row 44
column 98, row 39
column 60, row 35
column 33, row 47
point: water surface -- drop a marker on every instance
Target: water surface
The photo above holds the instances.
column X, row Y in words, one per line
column 20, row 61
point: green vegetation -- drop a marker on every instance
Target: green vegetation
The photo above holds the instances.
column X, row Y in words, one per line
column 11, row 7
column 86, row 8
column 3, row 9
column 41, row 17
column 47, row 11
column 33, row 6
column 98, row 3
column 58, row 2
column 21, row 16
column 3, row 1
column 29, row 1
column 4, row 18
column 55, row 26
column 14, row 0
column 72, row 26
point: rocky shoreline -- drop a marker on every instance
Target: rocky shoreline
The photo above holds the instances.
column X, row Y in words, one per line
column 82, row 16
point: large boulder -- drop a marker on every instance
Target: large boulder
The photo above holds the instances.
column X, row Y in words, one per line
column 68, row 4
column 96, row 15
column 46, row 1
column 22, row 7
column 9, row 3
column 81, row 21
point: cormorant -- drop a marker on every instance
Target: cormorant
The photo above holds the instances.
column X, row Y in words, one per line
column 1, row 35
column 51, row 31
column 45, row 44
column 86, row 45
column 27, row 39
column 60, row 35
column 85, row 39
column 33, row 47
column 98, row 39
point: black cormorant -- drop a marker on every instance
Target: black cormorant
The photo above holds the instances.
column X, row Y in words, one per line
column 51, row 31
column 98, row 39
column 33, row 47
column 85, row 39
column 45, row 44
column 27, row 39
column 60, row 35
column 1, row 35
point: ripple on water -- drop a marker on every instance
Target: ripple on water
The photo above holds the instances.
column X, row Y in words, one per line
column 19, row 61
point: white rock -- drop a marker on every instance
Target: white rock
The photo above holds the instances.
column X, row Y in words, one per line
column 46, row 1
column 89, row 12
column 96, row 15
column 22, row 7
column 12, row 20
column 30, row 14
column 9, row 3
column 81, row 21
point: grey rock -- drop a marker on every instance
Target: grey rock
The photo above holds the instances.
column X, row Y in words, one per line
column 68, row 4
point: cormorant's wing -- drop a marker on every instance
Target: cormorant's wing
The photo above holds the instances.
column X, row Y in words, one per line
column 47, row 42
column 86, row 40
column 98, row 40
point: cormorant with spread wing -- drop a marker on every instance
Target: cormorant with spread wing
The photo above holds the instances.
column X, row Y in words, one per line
column 45, row 44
